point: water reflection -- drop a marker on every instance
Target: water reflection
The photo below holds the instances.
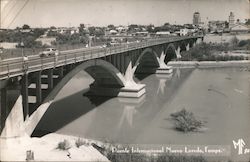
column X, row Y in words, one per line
column 162, row 82
column 130, row 105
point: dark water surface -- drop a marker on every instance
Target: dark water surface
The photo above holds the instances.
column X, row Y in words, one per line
column 218, row 96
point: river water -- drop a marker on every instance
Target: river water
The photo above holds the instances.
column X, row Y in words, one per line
column 218, row 96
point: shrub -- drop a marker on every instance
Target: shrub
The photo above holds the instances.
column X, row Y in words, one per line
column 64, row 145
column 185, row 121
column 79, row 142
column 242, row 43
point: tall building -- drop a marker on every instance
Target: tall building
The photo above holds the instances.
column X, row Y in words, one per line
column 231, row 19
column 196, row 18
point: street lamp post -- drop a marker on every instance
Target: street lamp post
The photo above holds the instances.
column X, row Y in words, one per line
column 22, row 46
column 24, row 58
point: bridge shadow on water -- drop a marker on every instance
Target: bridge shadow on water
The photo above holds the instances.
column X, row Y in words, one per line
column 64, row 111
column 124, row 119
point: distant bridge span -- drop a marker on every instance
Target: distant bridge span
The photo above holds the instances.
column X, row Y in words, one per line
column 29, row 87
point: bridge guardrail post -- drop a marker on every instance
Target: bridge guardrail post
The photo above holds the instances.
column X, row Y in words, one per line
column 41, row 59
column 83, row 56
column 8, row 68
column 75, row 57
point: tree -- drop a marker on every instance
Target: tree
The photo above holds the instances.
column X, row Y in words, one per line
column 247, row 22
column 166, row 24
column 25, row 26
column 81, row 29
column 111, row 26
column 91, row 30
column 52, row 27
column 234, row 41
column 226, row 24
column 150, row 28
column 38, row 32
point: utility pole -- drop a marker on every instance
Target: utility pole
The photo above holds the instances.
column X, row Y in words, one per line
column 0, row 14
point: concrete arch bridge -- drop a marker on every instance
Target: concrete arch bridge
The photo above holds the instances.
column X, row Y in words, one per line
column 29, row 87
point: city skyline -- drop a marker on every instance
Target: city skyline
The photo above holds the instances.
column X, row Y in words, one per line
column 45, row 13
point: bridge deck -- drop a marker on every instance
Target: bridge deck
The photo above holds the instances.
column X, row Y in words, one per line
column 15, row 67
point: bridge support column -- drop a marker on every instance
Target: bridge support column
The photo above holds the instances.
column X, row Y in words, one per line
column 194, row 43
column 163, row 69
column 60, row 71
column 178, row 52
column 131, row 88
column 187, row 47
column 3, row 107
column 24, row 92
column 50, row 79
column 118, row 59
column 38, row 87
column 122, row 66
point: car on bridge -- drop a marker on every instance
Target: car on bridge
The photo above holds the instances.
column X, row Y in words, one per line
column 49, row 52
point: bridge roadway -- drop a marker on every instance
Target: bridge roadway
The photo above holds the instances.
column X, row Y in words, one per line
column 17, row 66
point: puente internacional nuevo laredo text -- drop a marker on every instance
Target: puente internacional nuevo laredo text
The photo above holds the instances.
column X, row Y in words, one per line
column 112, row 68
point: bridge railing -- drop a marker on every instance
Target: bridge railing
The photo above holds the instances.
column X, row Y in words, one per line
column 17, row 66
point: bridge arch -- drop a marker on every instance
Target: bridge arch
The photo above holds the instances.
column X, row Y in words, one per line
column 146, row 54
column 147, row 61
column 91, row 67
column 170, row 52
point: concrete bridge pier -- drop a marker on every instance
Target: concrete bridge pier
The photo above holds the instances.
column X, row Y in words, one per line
column 178, row 52
column 118, row 81
column 4, row 102
column 24, row 93
column 163, row 68
column 187, row 47
column 131, row 88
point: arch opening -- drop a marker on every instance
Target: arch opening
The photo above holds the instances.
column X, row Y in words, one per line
column 147, row 62
column 170, row 53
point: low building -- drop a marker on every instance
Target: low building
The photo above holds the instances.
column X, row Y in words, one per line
column 142, row 33
column 46, row 40
column 162, row 33
column 184, row 32
column 113, row 32
column 216, row 26
column 8, row 45
column 71, row 30
column 239, row 28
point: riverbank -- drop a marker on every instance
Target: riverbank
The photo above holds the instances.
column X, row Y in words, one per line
column 45, row 149
column 209, row 64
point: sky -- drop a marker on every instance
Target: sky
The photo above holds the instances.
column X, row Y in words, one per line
column 46, row 13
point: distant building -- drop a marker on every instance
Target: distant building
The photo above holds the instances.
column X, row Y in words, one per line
column 162, row 33
column 231, row 19
column 113, row 32
column 8, row 45
column 142, row 33
column 46, row 40
column 26, row 30
column 196, row 19
column 184, row 32
column 71, row 30
column 216, row 26
column 239, row 28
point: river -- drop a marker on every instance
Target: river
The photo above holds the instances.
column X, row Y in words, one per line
column 218, row 96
